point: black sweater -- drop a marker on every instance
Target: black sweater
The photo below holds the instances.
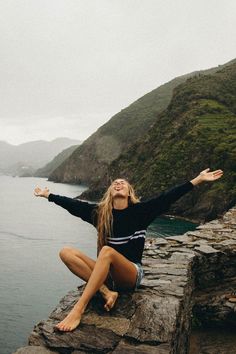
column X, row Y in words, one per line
column 129, row 224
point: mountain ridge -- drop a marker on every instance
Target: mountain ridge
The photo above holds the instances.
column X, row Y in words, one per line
column 26, row 157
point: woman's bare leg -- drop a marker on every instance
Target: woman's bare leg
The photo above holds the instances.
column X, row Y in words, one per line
column 82, row 266
column 123, row 271
column 78, row 263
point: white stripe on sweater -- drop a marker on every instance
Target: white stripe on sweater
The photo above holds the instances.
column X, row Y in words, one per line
column 122, row 242
column 141, row 232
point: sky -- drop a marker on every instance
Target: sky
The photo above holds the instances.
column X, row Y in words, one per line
column 67, row 66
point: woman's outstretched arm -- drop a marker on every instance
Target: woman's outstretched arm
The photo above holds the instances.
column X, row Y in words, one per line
column 161, row 204
column 76, row 207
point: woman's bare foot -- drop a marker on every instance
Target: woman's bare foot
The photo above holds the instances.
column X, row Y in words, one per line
column 110, row 297
column 71, row 321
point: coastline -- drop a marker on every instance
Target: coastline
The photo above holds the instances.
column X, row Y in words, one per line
column 184, row 218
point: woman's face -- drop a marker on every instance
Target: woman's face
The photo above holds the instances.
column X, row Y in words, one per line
column 120, row 188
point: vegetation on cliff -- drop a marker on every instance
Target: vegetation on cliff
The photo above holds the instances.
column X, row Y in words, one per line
column 88, row 164
column 160, row 141
column 196, row 131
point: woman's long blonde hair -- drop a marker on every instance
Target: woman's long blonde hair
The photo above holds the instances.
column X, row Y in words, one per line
column 105, row 217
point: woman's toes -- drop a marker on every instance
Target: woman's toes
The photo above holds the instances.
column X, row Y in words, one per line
column 60, row 326
column 111, row 301
column 106, row 307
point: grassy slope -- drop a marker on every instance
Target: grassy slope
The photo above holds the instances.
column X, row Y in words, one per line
column 197, row 130
column 89, row 163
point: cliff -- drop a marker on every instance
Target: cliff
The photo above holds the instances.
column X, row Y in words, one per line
column 196, row 131
column 185, row 276
column 46, row 170
column 89, row 163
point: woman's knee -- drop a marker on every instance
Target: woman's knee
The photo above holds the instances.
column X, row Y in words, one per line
column 107, row 252
column 66, row 253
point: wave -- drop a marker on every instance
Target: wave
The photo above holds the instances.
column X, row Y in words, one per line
column 37, row 238
column 26, row 237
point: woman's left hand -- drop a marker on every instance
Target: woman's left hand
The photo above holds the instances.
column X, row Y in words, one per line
column 206, row 175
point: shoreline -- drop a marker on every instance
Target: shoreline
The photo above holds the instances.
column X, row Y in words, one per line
column 183, row 218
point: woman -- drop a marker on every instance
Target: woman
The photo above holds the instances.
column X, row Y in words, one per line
column 121, row 221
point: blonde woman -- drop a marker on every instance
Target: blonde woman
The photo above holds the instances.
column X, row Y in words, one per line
column 121, row 221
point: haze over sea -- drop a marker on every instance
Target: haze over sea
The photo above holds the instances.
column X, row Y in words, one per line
column 32, row 232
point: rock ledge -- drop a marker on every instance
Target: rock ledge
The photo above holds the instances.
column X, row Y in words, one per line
column 185, row 276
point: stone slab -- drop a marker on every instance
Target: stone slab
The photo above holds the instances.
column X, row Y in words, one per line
column 205, row 249
column 34, row 350
column 180, row 238
column 127, row 348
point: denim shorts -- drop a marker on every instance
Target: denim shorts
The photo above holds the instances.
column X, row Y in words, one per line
column 140, row 274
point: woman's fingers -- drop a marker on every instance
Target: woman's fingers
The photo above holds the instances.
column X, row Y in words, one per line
column 216, row 172
column 208, row 175
column 37, row 191
column 204, row 171
column 218, row 175
column 208, row 169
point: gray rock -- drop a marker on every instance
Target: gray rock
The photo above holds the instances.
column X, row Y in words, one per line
column 213, row 341
column 154, row 320
column 34, row 350
column 161, row 241
column 180, row 238
column 210, row 226
column 228, row 242
column 125, row 348
column 206, row 249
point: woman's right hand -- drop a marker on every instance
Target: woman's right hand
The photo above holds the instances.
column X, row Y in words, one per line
column 38, row 192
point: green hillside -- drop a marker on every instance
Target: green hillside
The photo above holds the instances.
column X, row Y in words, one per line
column 90, row 161
column 196, row 131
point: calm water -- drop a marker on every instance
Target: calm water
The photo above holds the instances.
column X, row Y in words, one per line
column 32, row 232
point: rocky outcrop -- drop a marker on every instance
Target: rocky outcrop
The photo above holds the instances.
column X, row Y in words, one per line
column 186, row 277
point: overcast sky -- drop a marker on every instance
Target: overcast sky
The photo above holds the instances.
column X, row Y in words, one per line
column 67, row 66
